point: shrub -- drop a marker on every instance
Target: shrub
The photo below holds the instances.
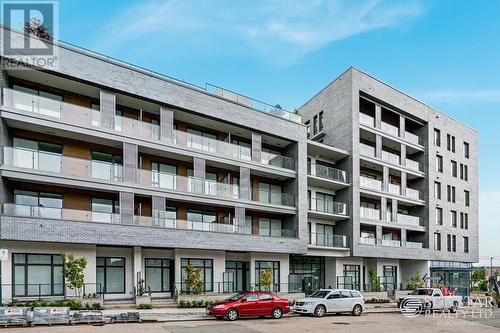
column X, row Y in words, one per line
column 375, row 300
column 144, row 306
column 194, row 304
column 96, row 306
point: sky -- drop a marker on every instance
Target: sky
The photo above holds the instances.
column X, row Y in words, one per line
column 444, row 52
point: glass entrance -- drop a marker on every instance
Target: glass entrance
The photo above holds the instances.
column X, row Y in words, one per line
column 236, row 277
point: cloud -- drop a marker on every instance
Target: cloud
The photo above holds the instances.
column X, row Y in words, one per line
column 276, row 31
column 460, row 96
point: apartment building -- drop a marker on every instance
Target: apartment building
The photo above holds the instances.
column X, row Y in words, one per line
column 400, row 184
column 144, row 175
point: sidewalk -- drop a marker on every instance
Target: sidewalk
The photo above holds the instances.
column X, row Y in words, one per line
column 182, row 314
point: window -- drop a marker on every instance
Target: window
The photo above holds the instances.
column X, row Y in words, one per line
column 448, row 142
column 111, row 275
column 451, row 193
column 269, row 227
column 453, row 218
column 390, row 277
column 467, row 198
column 454, row 169
column 201, row 216
column 437, row 190
column 321, row 121
column 266, row 297
column 158, row 275
column 206, row 269
column 308, row 126
column 351, row 277
column 269, row 193
column 106, row 166
column 164, row 175
column 466, row 149
column 437, row 241
column 439, row 216
column 315, row 125
column 437, row 137
column 237, row 276
column 37, row 204
column 466, row 244
column 324, row 235
column 37, row 275
column 454, row 243
column 262, row 266
column 325, row 203
column 439, row 163
column 247, row 228
column 244, row 150
column 464, row 221
column 452, row 143
column 464, row 172
column 448, row 242
column 103, row 210
column 37, row 155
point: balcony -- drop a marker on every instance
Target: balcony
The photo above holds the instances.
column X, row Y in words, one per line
column 391, row 158
column 366, row 119
column 327, row 207
column 326, row 172
column 395, row 189
column 390, row 129
column 370, row 183
column 413, row 245
column 409, row 219
column 366, row 150
column 57, row 163
column 411, row 164
column 73, row 114
column 391, row 242
column 413, row 194
column 369, row 213
column 328, row 240
column 413, row 138
column 367, row 240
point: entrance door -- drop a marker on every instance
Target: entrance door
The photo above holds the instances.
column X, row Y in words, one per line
column 236, row 276
column 159, row 275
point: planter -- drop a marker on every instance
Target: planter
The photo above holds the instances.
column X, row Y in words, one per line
column 144, row 299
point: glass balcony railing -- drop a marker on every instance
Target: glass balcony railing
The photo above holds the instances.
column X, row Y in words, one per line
column 394, row 189
column 411, row 193
column 57, row 163
column 328, row 240
column 391, row 242
column 369, row 213
column 74, row 114
column 391, row 157
column 374, row 184
column 328, row 207
column 411, row 164
column 414, row 245
column 366, row 150
column 390, row 129
column 326, row 172
column 271, row 198
column 366, row 119
column 367, row 240
column 409, row 219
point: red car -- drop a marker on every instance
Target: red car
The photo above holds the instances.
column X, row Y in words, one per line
column 249, row 304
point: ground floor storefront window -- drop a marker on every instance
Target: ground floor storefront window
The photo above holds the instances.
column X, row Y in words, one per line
column 37, row 275
column 159, row 275
column 261, row 266
column 351, row 278
column 389, row 280
column 306, row 273
column 206, row 270
column 111, row 275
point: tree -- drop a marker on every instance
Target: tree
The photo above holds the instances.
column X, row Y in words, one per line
column 193, row 280
column 36, row 28
column 372, row 277
column 479, row 280
column 416, row 282
column 266, row 279
column 73, row 271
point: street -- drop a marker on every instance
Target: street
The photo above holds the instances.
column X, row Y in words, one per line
column 379, row 322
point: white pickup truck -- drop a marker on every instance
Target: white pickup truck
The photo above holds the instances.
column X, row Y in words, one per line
column 431, row 299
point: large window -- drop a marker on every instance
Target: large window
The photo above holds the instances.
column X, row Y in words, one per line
column 324, row 203
column 307, row 273
column 206, row 270
column 111, row 275
column 107, row 166
column 158, row 275
column 324, row 235
column 390, row 278
column 269, row 193
column 37, row 155
column 269, row 227
column 39, row 204
column 352, row 277
column 261, row 266
column 37, row 275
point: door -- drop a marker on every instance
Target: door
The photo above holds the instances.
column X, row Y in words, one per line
column 249, row 305
column 437, row 300
column 347, row 302
column 266, row 305
column 334, row 302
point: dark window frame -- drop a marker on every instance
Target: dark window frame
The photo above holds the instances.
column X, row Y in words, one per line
column 26, row 265
column 103, row 287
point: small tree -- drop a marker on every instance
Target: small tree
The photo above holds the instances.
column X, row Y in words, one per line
column 140, row 287
column 416, row 282
column 265, row 279
column 372, row 277
column 479, row 281
column 36, row 28
column 73, row 271
column 193, row 280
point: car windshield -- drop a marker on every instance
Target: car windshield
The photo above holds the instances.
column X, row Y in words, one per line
column 235, row 297
column 422, row 292
column 319, row 294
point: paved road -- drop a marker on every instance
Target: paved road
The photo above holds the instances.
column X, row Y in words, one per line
column 381, row 322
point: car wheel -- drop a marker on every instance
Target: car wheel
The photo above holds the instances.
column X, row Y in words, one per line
column 232, row 314
column 277, row 313
column 454, row 307
column 356, row 311
column 319, row 311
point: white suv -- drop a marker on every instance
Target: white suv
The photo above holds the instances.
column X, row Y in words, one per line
column 331, row 300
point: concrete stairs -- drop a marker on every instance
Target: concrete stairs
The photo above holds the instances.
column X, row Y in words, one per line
column 163, row 303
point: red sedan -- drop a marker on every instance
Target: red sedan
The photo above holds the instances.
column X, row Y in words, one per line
column 249, row 304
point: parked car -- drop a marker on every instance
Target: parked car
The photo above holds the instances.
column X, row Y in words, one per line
column 249, row 304
column 431, row 299
column 331, row 301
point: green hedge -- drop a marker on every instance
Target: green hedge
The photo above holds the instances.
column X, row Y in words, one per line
column 71, row 303
column 144, row 306
column 194, row 304
column 377, row 300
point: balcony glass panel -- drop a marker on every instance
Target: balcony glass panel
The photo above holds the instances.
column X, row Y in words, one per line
column 414, row 245
column 408, row 219
column 411, row 164
column 328, row 240
column 411, row 193
column 390, row 157
column 323, row 171
column 374, row 184
column 390, row 242
column 369, row 213
column 367, row 240
column 328, row 207
column 390, row 129
column 395, row 189
column 413, row 138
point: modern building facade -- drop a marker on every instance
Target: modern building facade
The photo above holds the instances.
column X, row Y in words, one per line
column 144, row 175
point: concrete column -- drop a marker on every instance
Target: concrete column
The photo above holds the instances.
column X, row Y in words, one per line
column 166, row 124
column 402, row 128
column 403, row 183
column 130, row 159
column 394, row 210
column 383, row 208
column 245, row 186
column 378, row 116
column 107, row 108
column 403, row 237
column 127, row 207
column 403, row 155
column 138, row 273
column 385, row 178
column 256, row 147
column 378, row 146
column 199, row 170
column 378, row 234
column 239, row 214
